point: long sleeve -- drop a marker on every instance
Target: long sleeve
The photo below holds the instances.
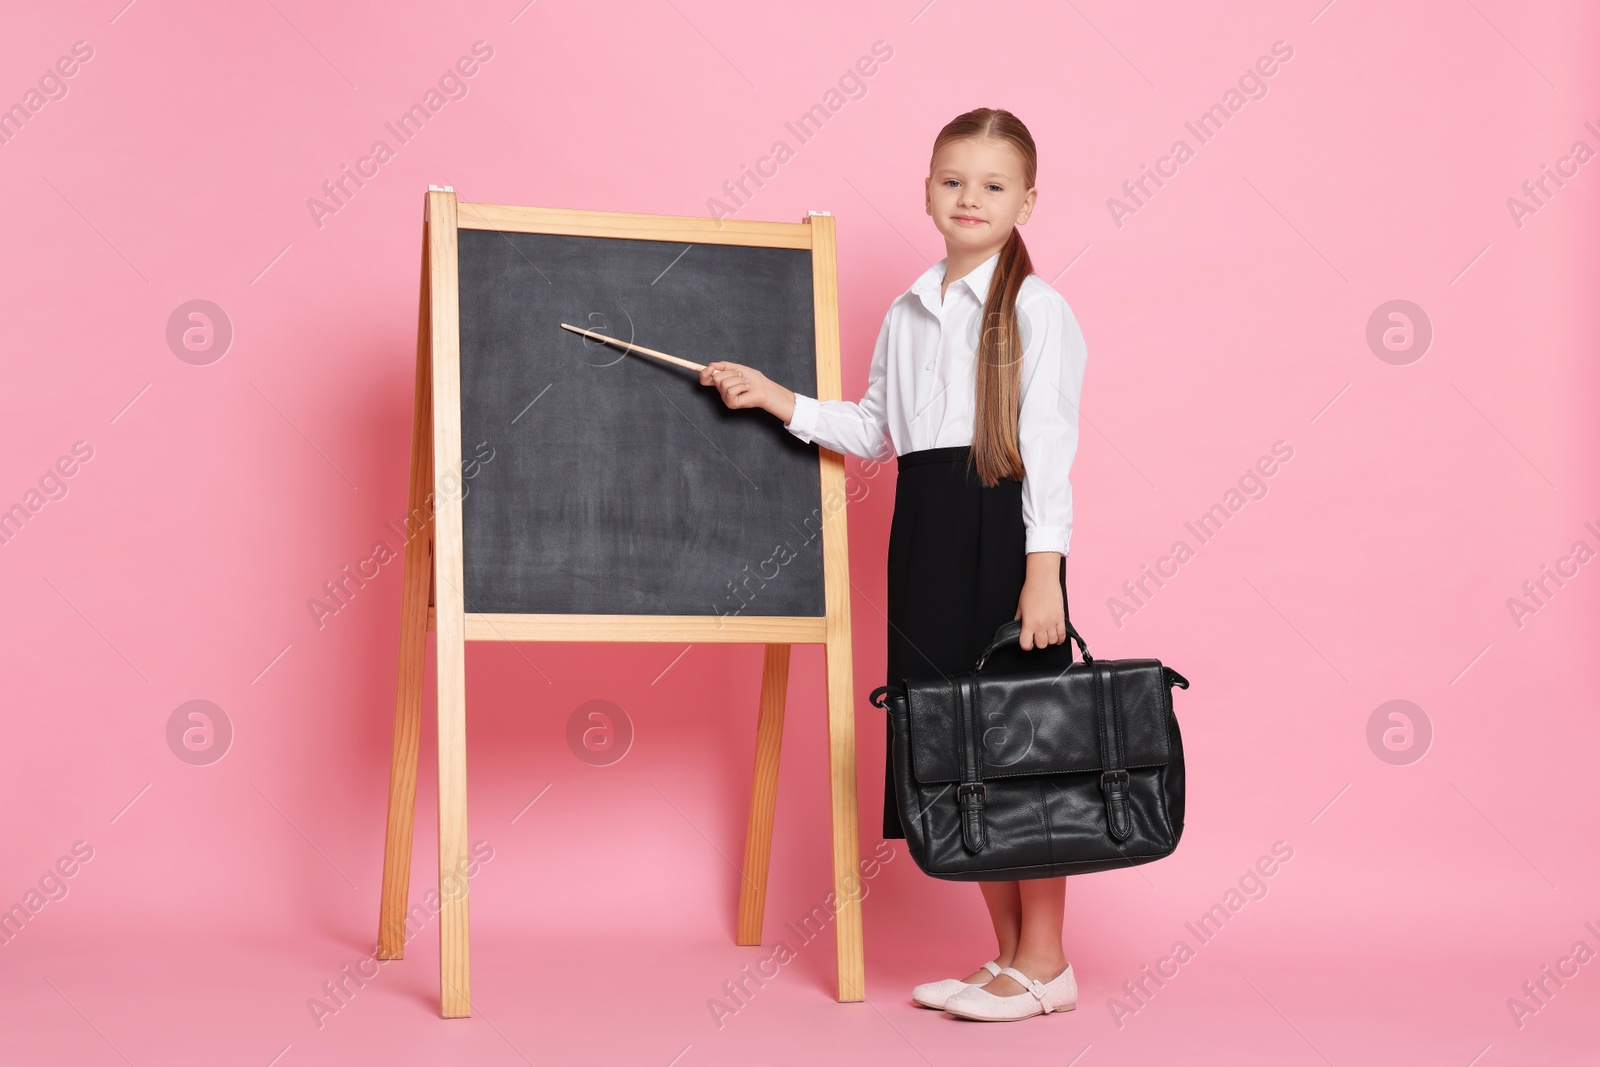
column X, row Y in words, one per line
column 844, row 426
column 1047, row 421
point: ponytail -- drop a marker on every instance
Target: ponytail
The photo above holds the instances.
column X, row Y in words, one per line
column 995, row 452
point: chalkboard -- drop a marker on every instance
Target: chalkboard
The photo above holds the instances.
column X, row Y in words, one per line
column 618, row 485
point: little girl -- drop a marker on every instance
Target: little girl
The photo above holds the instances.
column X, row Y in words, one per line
column 975, row 379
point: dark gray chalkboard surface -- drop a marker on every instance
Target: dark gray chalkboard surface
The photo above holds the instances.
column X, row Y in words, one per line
column 619, row 485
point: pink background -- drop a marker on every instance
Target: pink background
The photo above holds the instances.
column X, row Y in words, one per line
column 1229, row 312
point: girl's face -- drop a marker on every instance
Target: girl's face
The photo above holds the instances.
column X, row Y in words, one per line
column 976, row 194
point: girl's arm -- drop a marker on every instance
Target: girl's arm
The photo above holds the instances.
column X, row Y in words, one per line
column 843, row 426
column 1047, row 436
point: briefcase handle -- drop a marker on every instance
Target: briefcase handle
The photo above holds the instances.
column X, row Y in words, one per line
column 1011, row 632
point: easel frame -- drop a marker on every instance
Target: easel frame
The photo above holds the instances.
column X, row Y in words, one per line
column 432, row 596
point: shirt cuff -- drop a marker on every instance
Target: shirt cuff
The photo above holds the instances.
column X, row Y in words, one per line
column 1047, row 539
column 804, row 420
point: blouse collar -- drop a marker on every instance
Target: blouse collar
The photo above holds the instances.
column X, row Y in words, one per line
column 976, row 280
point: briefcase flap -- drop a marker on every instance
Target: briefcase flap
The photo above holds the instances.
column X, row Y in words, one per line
column 1040, row 722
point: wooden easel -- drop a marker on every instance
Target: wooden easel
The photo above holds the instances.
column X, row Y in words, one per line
column 432, row 597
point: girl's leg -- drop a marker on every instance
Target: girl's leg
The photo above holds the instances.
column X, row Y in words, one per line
column 1005, row 912
column 1038, row 947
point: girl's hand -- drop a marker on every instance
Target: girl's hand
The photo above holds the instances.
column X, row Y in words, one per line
column 1041, row 609
column 746, row 387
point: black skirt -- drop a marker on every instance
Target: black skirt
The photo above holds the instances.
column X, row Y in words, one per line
column 957, row 560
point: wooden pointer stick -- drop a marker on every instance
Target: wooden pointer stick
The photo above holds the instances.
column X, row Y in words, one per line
column 636, row 348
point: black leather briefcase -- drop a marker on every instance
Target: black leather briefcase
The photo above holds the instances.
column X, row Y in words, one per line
column 1029, row 773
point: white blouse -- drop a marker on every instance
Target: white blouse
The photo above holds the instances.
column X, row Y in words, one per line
column 922, row 385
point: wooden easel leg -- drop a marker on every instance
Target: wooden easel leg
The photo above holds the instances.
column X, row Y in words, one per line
column 455, row 987
column 403, row 762
column 846, row 831
column 836, row 587
column 763, row 794
column 450, row 631
column 414, row 600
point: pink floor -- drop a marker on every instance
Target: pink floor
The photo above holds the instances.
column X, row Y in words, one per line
column 1430, row 540
column 1357, row 952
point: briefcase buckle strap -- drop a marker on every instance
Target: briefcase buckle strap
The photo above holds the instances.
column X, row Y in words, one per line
column 1114, row 777
column 970, row 794
column 970, row 797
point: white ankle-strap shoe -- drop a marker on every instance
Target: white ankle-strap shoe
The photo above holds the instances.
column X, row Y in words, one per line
column 934, row 994
column 974, row 1002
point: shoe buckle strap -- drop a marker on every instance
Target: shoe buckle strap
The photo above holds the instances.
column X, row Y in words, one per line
column 1032, row 985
